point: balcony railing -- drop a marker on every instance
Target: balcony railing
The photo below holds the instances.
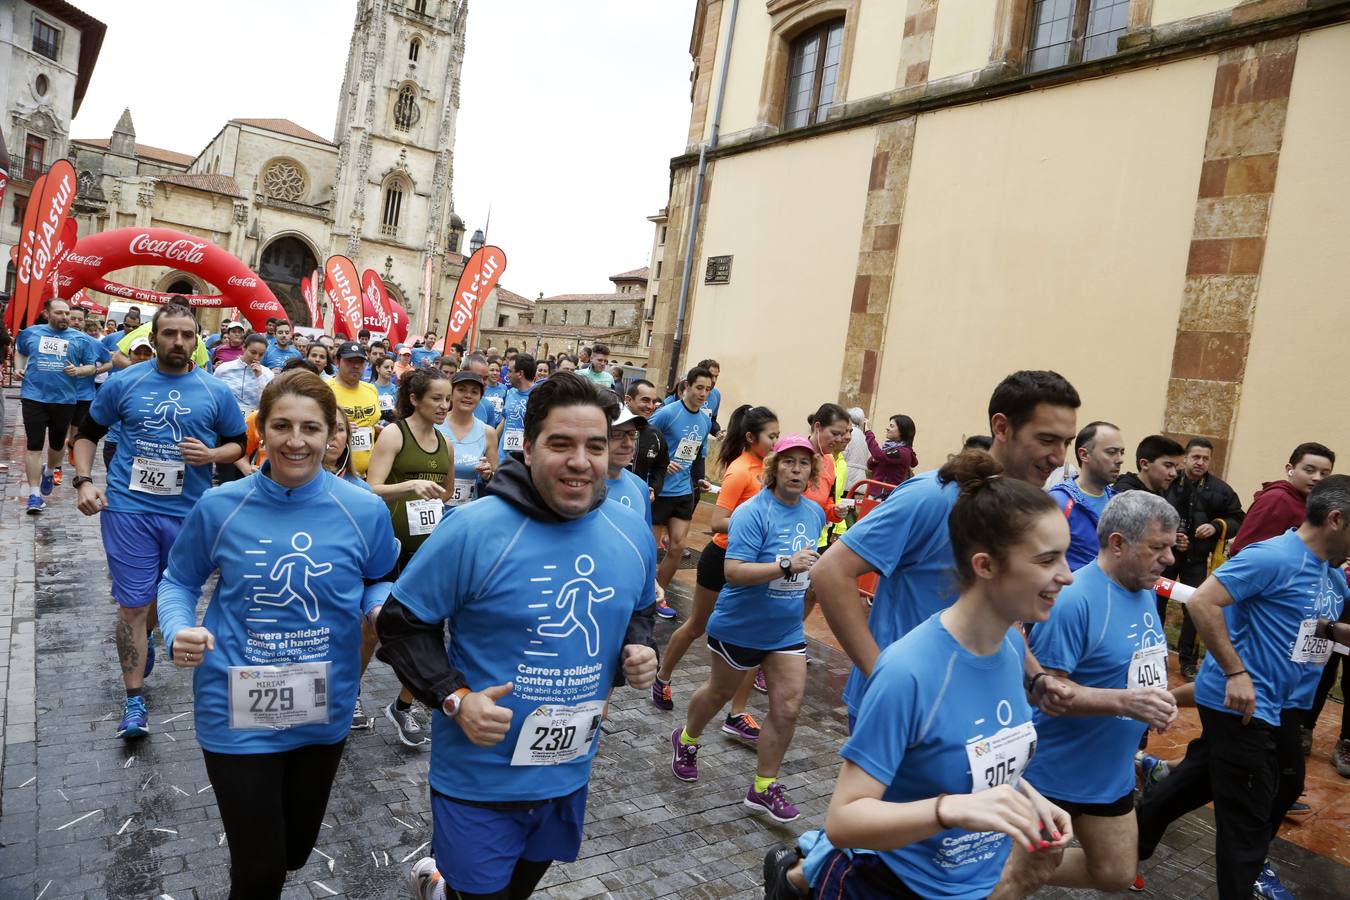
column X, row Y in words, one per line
column 30, row 168
column 389, row 231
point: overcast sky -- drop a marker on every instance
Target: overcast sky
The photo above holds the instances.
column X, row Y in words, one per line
column 570, row 109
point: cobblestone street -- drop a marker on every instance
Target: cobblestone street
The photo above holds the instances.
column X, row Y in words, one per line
column 83, row 814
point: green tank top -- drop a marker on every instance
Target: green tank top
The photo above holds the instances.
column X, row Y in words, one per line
column 412, row 462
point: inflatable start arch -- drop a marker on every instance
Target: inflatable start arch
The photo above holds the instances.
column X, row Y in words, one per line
column 96, row 255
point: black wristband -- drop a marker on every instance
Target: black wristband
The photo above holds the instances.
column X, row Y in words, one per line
column 1235, row 674
column 80, row 481
column 1031, row 682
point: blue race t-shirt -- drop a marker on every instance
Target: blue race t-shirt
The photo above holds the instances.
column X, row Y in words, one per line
column 543, row 605
column 421, row 356
column 713, row 403
column 631, row 491
column 45, row 379
column 157, row 411
column 766, row 616
column 1279, row 590
column 495, row 395
column 905, row 540
column 110, row 341
column 388, row 394
column 276, row 356
column 85, row 386
column 291, row 590
column 931, row 709
column 1094, row 633
column 685, row 433
column 513, row 418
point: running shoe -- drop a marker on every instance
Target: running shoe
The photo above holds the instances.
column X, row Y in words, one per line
column 743, row 727
column 1153, row 769
column 48, row 481
column 1268, row 885
column 665, row 610
column 684, row 759
column 777, row 863
column 1189, row 671
column 56, row 475
column 760, row 684
column 135, row 720
column 423, row 878
column 361, row 721
column 1138, row 886
column 774, row 801
column 1340, row 758
column 410, row 731
column 1298, row 812
column 661, row 697
column 35, row 504
column 70, row 453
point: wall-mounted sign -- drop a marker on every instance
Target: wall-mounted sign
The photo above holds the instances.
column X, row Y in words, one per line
column 718, row 271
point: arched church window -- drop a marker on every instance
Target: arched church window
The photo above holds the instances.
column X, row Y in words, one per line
column 414, row 49
column 406, row 112
column 392, row 212
column 284, row 180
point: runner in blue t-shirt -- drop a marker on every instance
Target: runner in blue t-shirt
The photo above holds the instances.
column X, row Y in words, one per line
column 1104, row 637
column 519, row 695
column 427, row 354
column 905, row 540
column 1100, row 451
column 621, row 485
column 276, row 657
column 280, row 349
column 685, row 429
column 713, row 404
column 85, row 385
column 933, row 777
column 757, row 623
column 175, row 422
column 1262, row 616
column 512, row 430
column 50, row 359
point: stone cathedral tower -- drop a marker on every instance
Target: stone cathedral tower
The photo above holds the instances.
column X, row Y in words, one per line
column 395, row 132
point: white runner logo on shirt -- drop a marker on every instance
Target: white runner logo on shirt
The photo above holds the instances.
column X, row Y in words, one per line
column 574, row 598
column 290, row 579
column 166, row 415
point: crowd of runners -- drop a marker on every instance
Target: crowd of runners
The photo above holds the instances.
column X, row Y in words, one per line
column 501, row 531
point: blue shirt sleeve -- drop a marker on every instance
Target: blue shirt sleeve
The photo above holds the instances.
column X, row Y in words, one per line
column 436, row 582
column 1250, row 573
column 746, row 536
column 104, row 408
column 885, row 727
column 190, row 564
column 229, row 420
column 891, row 533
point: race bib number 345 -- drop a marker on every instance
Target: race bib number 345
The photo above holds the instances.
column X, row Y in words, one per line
column 266, row 698
column 557, row 734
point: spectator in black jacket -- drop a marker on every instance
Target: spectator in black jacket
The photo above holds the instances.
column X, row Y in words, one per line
column 652, row 457
column 1208, row 508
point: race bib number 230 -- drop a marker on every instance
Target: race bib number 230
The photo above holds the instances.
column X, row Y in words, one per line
column 557, row 734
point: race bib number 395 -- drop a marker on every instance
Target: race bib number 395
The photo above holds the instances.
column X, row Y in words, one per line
column 266, row 698
column 557, row 734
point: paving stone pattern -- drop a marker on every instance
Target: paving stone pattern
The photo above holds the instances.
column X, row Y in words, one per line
column 83, row 814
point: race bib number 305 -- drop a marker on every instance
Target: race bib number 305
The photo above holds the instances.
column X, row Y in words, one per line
column 557, row 734
column 267, row 698
column 1001, row 758
column 163, row 477
column 1308, row 647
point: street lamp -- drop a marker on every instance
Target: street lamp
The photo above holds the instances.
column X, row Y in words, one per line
column 388, row 267
column 476, row 242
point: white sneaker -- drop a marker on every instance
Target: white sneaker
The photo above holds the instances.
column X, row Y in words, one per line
column 361, row 721
column 423, row 880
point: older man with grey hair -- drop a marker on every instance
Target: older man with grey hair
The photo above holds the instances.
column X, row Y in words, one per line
column 1105, row 637
column 855, row 453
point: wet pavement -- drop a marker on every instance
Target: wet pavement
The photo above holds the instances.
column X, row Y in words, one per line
column 83, row 814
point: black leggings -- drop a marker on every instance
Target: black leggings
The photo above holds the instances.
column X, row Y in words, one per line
column 524, row 877
column 271, row 805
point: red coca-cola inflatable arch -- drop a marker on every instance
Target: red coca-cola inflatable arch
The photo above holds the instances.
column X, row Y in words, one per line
column 96, row 255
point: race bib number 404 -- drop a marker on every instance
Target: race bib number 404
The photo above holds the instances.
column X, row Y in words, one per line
column 1001, row 758
column 557, row 734
column 1148, row 668
column 267, row 698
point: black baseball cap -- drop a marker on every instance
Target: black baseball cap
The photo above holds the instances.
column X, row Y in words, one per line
column 350, row 350
column 465, row 375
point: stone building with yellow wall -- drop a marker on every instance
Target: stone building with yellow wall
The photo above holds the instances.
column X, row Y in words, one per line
column 905, row 200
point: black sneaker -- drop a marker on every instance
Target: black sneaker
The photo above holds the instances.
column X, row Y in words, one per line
column 1189, row 671
column 777, row 863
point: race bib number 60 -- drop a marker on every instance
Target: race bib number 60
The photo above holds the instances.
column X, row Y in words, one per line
column 557, row 734
column 423, row 516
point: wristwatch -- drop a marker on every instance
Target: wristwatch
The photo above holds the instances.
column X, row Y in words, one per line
column 785, row 566
column 451, row 704
column 80, row 480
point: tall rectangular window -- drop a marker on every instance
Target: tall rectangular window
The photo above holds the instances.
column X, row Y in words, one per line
column 1069, row 31
column 46, row 40
column 813, row 70
column 34, row 157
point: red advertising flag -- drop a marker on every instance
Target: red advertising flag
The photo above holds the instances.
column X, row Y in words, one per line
column 70, row 235
column 398, row 318
column 376, row 302
column 344, row 289
column 477, row 281
column 48, row 206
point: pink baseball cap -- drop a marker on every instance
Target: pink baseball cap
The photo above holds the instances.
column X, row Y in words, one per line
column 792, row 442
